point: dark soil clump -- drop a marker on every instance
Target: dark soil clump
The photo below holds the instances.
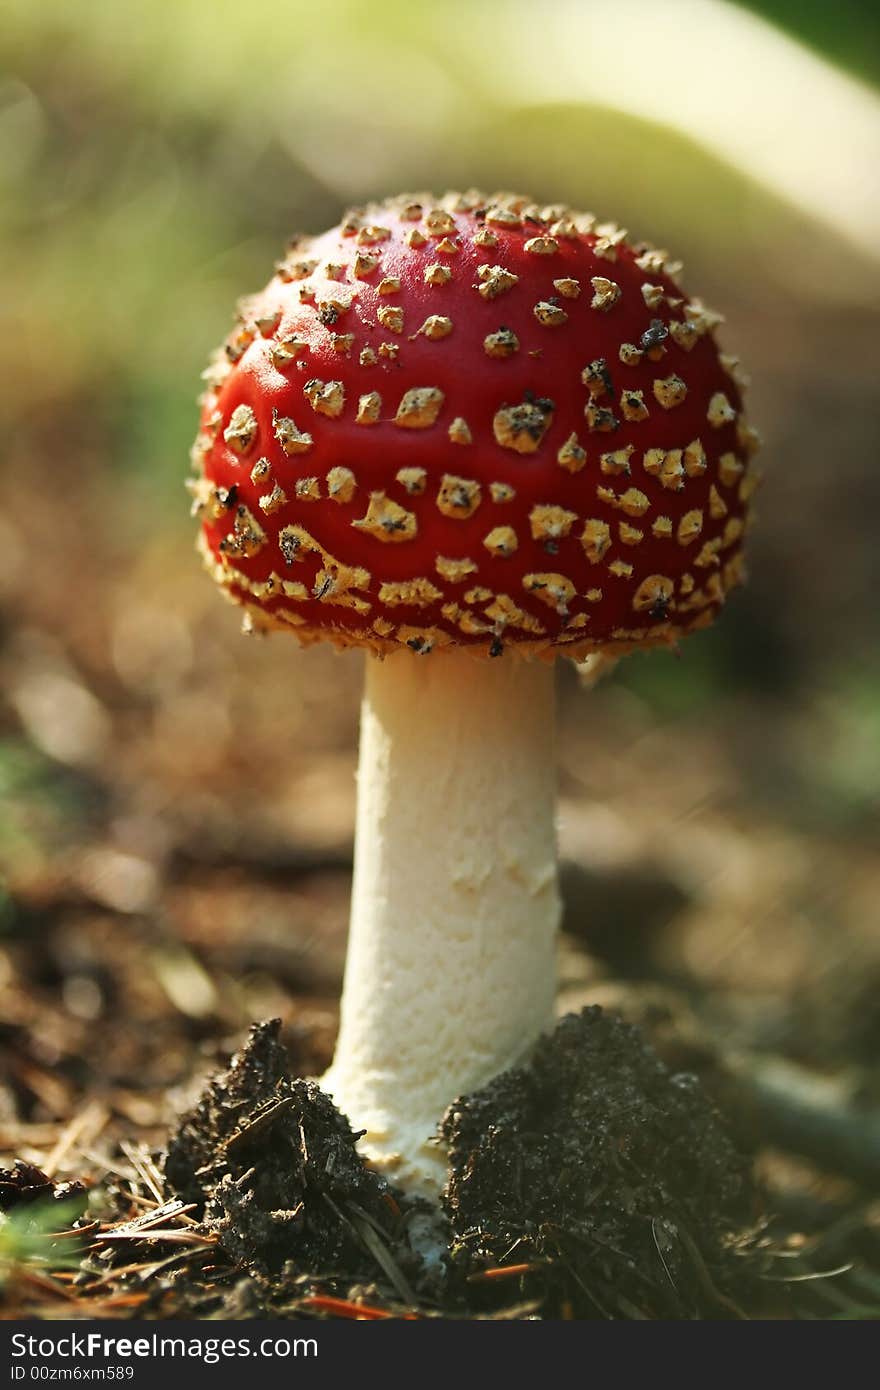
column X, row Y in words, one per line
column 604, row 1183
column 591, row 1183
column 26, row 1184
column 273, row 1165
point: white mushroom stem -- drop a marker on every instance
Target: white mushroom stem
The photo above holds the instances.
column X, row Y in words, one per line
column 450, row 975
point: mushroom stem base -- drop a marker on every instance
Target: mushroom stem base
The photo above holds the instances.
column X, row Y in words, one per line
column 450, row 976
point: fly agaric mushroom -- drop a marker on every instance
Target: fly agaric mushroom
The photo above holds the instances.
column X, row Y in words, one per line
column 469, row 435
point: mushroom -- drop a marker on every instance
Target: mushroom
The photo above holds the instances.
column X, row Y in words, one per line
column 469, row 436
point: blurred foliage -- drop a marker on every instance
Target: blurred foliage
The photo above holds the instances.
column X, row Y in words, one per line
column 848, row 32
column 29, row 1238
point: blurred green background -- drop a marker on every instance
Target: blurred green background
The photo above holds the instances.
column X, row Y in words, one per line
column 154, row 158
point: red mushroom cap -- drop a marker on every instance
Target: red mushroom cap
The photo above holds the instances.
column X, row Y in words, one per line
column 474, row 422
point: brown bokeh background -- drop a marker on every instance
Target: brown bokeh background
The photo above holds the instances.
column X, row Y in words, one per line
column 178, row 800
